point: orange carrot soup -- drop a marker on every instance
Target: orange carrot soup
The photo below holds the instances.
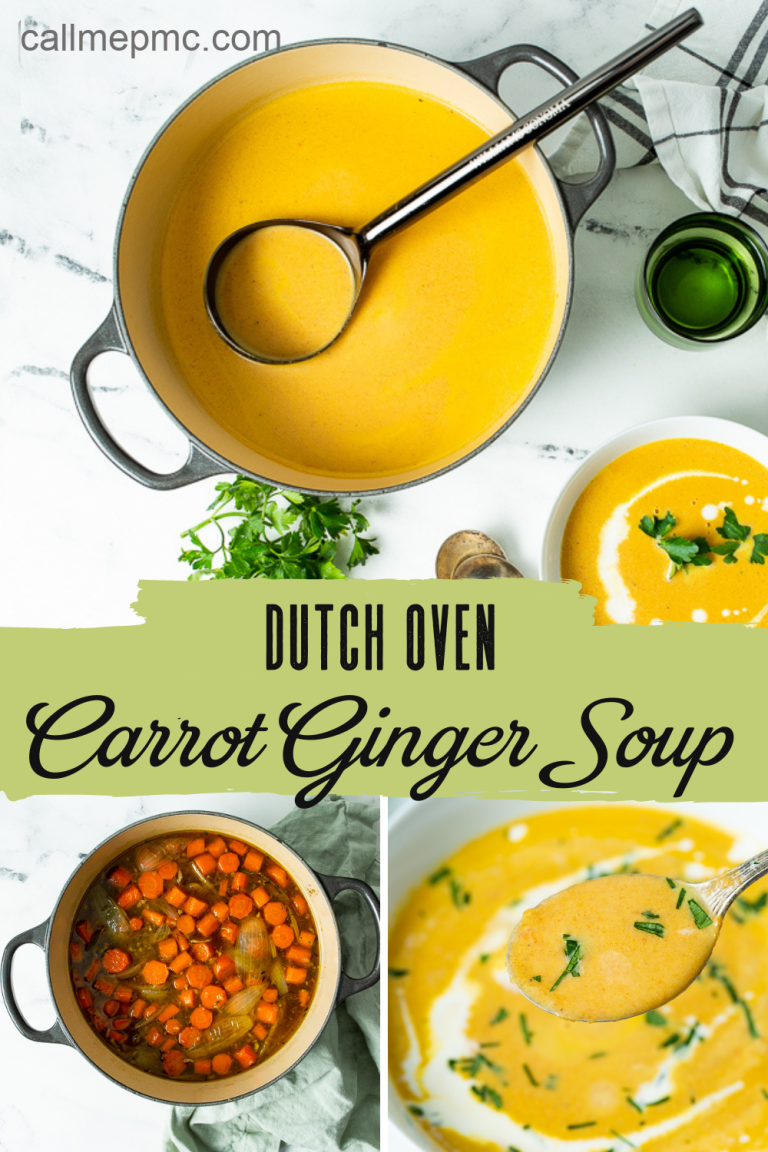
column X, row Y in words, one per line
column 676, row 530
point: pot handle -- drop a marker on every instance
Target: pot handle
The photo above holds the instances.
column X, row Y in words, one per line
column 489, row 70
column 55, row 1034
column 109, row 338
column 333, row 885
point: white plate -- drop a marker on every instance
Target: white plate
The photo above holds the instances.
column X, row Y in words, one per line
column 423, row 834
column 739, row 436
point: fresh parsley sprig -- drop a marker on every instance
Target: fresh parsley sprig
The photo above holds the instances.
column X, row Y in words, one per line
column 682, row 551
column 275, row 535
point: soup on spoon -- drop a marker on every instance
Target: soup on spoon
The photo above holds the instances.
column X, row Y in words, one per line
column 616, row 946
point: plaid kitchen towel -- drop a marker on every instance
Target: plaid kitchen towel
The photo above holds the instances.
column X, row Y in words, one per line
column 701, row 110
column 330, row 1101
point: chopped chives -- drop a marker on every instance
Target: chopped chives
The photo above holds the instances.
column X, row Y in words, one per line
column 670, row 882
column 414, row 1108
column 651, row 929
column 700, row 917
column 585, row 1124
column 530, row 1076
column 441, row 874
column 634, row 1104
column 500, row 1015
column 668, row 830
column 597, row 1056
column 399, row 972
column 655, row 1018
column 670, row 1040
column 572, row 950
column 537, row 979
column 663, row 1100
column 527, row 1034
column 680, row 898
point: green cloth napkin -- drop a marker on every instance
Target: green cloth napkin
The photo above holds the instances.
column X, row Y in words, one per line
column 330, row 1100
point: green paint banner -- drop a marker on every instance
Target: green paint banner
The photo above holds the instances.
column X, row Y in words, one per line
column 469, row 688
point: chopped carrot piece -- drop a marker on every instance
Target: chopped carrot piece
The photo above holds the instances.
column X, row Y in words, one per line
column 188, row 997
column 216, row 847
column 154, row 1036
column 111, row 1008
column 98, row 1023
column 172, row 918
column 275, row 912
column 123, row 993
column 174, row 1063
column 300, row 904
column 239, row 882
column 270, row 995
column 121, row 1023
column 260, row 1032
column 306, row 939
column 224, row 886
column 151, row 885
column 155, row 972
column 201, row 1018
column 282, row 935
column 180, row 983
column 173, row 1027
column 229, row 931
column 137, row 1009
column 120, row 877
column 167, row 870
column 76, row 951
column 229, row 862
column 84, row 998
column 189, row 1037
column 238, row 846
column 152, row 916
column 295, row 975
column 84, row 931
column 167, row 949
column 240, row 906
column 278, row 874
column 116, row 1036
column 202, row 1067
column 245, row 1056
column 221, row 1064
column 150, row 1011
column 208, row 924
column 93, row 970
column 182, row 941
column 253, row 861
column 180, row 962
column 223, row 967
column 185, row 923
column 303, row 997
column 115, row 960
column 195, row 847
column 221, row 911
column 260, row 897
column 136, row 923
column 203, row 951
column 195, row 907
column 234, row 984
column 267, row 1013
column 167, row 1012
column 198, row 976
column 129, row 896
column 213, row 996
column 176, row 897
column 205, row 864
column 298, row 955
column 105, row 986
column 167, row 1045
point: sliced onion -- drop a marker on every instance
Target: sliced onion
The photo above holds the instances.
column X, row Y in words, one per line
column 148, row 856
column 252, row 948
column 278, row 978
column 111, row 915
column 226, row 1030
column 244, row 1002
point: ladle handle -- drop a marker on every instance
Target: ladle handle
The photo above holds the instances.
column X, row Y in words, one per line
column 549, row 116
column 109, row 338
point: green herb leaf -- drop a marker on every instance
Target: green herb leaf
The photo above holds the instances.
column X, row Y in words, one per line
column 537, row 979
column 656, row 1019
column 679, row 550
column 634, row 1104
column 459, row 895
column 652, row 929
column 573, row 950
column 728, row 550
column 670, row 1040
column 670, row 882
column 680, row 898
column 472, row 1065
column 652, row 915
column 584, row 1124
column 530, row 1076
column 441, row 874
column 731, row 529
column 700, row 917
column 759, row 548
column 500, row 1015
column 654, row 1103
column 397, row 972
column 669, row 830
column 527, row 1034
column 753, row 906
column 657, row 527
column 414, row 1108
column 486, row 1094
column 485, row 957
column 597, row 1056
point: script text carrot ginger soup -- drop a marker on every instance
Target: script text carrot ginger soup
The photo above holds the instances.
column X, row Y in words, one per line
column 479, row 1066
column 459, row 313
column 676, row 530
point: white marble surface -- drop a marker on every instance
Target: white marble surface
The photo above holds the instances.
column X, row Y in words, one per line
column 52, row 1098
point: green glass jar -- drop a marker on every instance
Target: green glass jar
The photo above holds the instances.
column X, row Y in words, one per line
column 704, row 280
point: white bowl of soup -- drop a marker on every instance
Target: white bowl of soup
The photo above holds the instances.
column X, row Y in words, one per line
column 461, row 314
column 668, row 522
column 473, row 1063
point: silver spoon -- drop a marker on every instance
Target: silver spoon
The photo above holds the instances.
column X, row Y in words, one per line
column 715, row 897
column 356, row 247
